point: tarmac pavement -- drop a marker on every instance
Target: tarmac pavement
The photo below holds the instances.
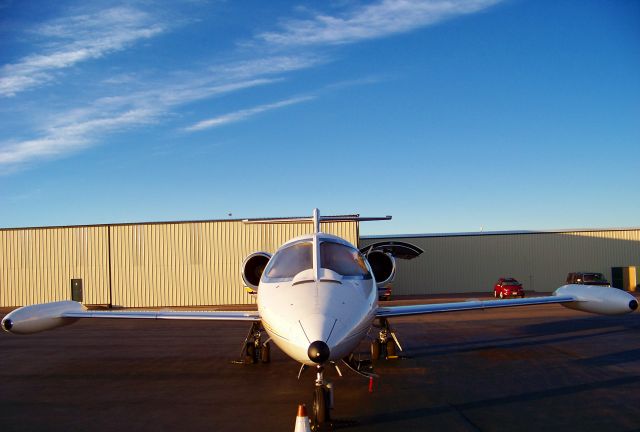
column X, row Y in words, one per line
column 517, row 369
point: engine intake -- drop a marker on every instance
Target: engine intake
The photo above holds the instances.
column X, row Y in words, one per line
column 253, row 267
column 383, row 266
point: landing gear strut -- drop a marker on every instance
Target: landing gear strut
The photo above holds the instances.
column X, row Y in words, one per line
column 386, row 342
column 322, row 400
column 253, row 349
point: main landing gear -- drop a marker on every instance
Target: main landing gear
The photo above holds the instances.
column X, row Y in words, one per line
column 253, row 349
column 386, row 342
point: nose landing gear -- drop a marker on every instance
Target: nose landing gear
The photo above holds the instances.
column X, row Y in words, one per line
column 322, row 400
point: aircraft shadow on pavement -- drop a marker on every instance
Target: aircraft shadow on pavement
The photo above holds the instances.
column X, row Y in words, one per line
column 621, row 357
column 532, row 334
column 413, row 414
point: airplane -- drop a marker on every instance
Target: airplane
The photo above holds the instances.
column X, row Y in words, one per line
column 317, row 299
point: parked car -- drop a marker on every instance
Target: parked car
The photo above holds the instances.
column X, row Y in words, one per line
column 508, row 287
column 587, row 278
column 384, row 292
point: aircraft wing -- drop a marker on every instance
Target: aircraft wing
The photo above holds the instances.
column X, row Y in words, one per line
column 394, row 311
column 40, row 317
column 169, row 315
column 586, row 298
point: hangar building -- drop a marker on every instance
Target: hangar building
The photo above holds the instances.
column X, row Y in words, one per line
column 540, row 260
column 198, row 262
column 139, row 265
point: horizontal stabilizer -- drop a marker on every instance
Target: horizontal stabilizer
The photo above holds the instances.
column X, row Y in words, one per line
column 344, row 218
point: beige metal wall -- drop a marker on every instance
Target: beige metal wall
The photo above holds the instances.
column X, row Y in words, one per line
column 195, row 263
column 198, row 263
column 37, row 265
column 541, row 261
column 162, row 264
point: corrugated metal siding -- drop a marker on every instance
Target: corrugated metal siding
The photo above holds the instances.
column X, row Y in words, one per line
column 196, row 263
column 37, row 265
column 163, row 264
column 540, row 261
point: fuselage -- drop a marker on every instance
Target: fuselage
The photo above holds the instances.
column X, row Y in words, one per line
column 317, row 287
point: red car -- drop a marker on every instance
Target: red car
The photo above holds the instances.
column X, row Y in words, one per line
column 508, row 287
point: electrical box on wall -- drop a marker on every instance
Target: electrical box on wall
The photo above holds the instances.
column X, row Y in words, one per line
column 76, row 290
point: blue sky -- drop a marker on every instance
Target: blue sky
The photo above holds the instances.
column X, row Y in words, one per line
column 449, row 115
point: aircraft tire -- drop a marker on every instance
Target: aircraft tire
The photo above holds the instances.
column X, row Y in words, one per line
column 391, row 348
column 321, row 403
column 375, row 349
column 250, row 355
column 265, row 353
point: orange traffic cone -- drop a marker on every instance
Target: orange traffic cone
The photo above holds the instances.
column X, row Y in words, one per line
column 302, row 420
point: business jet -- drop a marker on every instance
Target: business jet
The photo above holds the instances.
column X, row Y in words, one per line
column 317, row 300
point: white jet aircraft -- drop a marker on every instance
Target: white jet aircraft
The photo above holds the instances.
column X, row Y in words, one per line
column 317, row 300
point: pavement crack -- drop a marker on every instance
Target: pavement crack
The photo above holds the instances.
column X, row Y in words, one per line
column 467, row 421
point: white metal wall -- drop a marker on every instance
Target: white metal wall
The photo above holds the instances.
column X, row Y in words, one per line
column 541, row 261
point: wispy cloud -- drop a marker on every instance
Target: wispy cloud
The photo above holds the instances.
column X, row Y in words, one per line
column 78, row 128
column 245, row 114
column 372, row 21
column 269, row 65
column 68, row 42
column 69, row 136
column 75, row 39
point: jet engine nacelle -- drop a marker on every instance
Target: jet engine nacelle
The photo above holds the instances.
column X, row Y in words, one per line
column 598, row 299
column 40, row 317
column 382, row 258
column 383, row 265
column 252, row 268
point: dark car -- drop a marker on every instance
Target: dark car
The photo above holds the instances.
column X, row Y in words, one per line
column 587, row 278
column 508, row 287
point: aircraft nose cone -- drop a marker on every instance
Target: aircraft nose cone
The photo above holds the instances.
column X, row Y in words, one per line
column 318, row 352
column 633, row 305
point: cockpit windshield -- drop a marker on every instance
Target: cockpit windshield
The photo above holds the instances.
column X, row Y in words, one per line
column 293, row 259
column 343, row 260
column 290, row 261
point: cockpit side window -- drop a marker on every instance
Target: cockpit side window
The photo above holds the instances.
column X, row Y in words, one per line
column 343, row 260
column 290, row 261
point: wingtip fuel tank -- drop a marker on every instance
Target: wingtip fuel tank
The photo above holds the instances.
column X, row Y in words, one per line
column 598, row 299
column 40, row 317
